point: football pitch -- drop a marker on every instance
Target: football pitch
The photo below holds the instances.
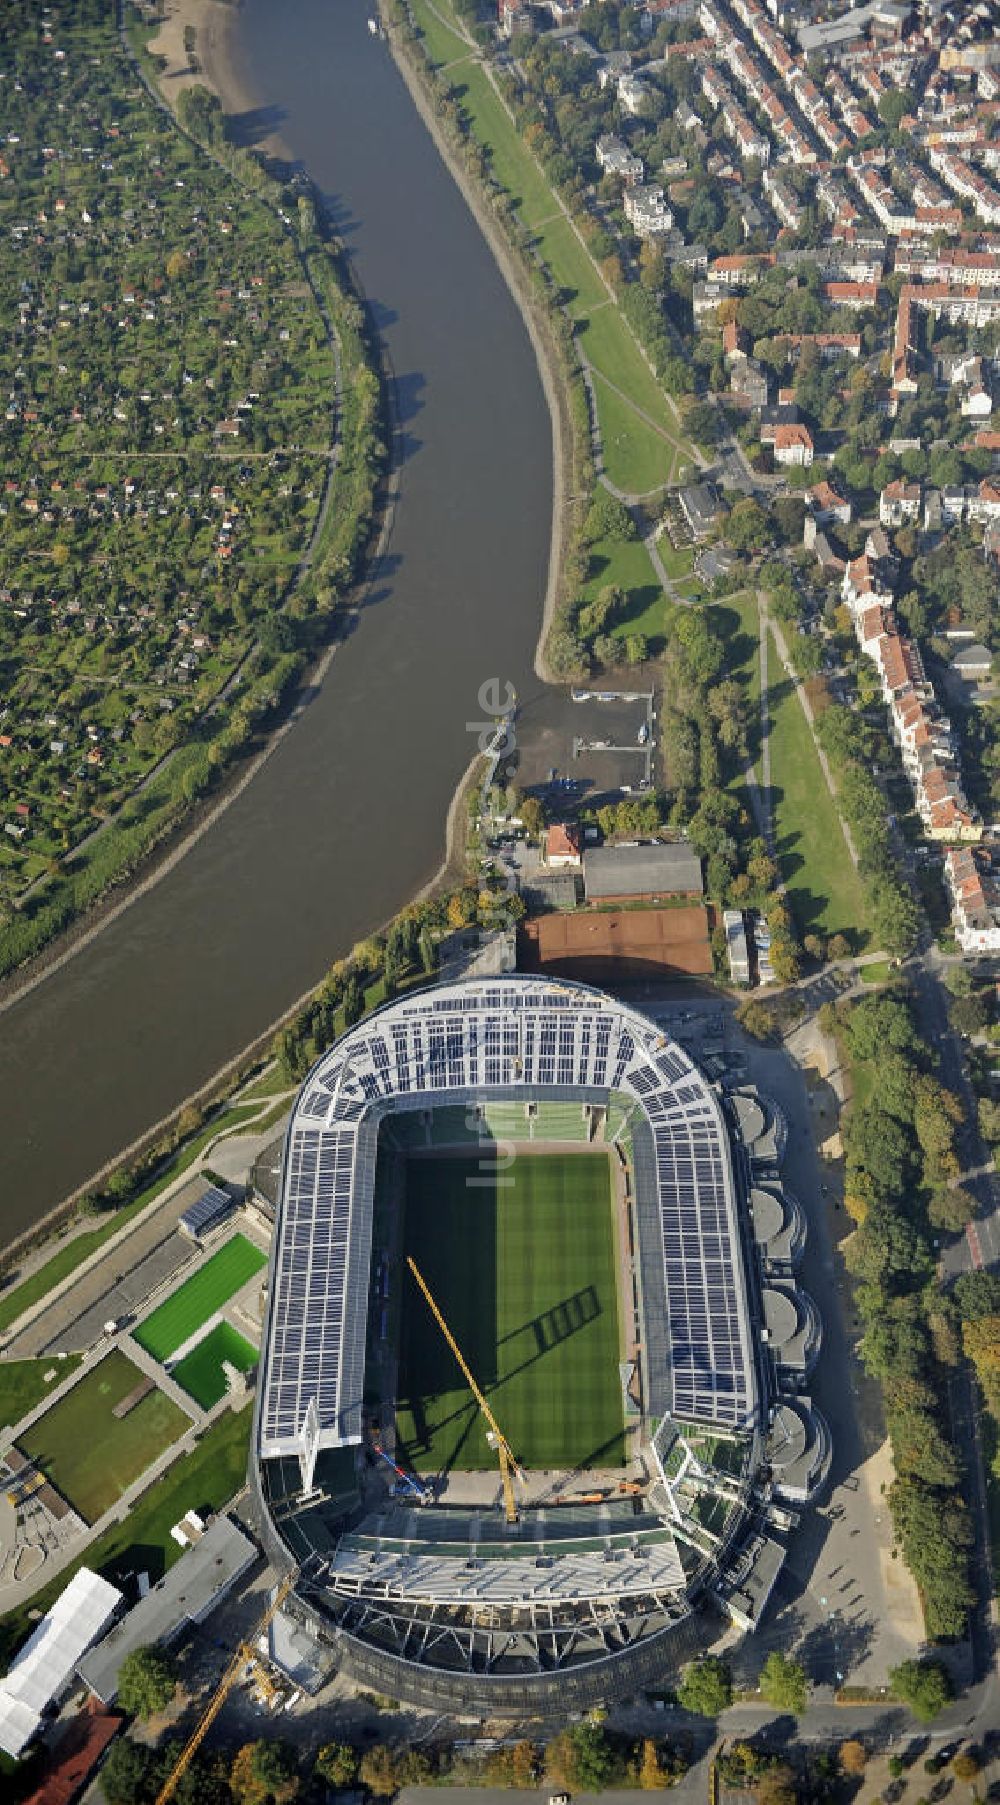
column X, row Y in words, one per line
column 195, row 1301
column 521, row 1262
column 201, row 1371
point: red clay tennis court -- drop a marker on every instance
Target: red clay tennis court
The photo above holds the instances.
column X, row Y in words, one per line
column 604, row 946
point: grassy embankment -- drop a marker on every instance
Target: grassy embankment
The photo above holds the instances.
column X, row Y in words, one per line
column 824, row 890
column 643, row 446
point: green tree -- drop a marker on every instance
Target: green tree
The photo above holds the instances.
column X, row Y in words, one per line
column 896, row 104
column 706, row 1687
column 147, row 1681
column 264, row 1771
column 126, row 1777
column 923, row 1685
column 746, row 528
column 783, row 1682
column 337, row 1763
column 532, row 816
column 951, row 1209
column 581, row 1758
column 378, row 1771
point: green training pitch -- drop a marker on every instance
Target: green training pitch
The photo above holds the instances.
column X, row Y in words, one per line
column 195, row 1301
column 200, row 1372
column 521, row 1262
column 92, row 1456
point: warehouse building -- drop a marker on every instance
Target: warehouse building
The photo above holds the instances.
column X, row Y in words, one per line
column 642, row 873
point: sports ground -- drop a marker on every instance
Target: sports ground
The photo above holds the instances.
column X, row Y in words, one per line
column 201, row 1373
column 194, row 1302
column 521, row 1261
column 92, row 1456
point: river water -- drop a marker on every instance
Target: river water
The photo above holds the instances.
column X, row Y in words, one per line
column 346, row 820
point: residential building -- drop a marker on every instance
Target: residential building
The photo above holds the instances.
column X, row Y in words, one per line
column 827, row 506
column 899, row 503
column 562, row 844
column 972, row 877
column 615, row 158
column 793, row 446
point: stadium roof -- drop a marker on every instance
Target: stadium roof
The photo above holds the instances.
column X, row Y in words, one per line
column 666, row 869
column 516, row 1037
column 45, row 1665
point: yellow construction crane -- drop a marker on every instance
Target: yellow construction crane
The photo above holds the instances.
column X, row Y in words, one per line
column 245, row 1654
column 496, row 1436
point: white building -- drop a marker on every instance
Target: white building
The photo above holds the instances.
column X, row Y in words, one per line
column 647, row 212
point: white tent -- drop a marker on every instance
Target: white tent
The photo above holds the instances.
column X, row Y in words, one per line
column 46, row 1663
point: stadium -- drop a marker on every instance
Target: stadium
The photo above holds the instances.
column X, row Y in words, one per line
column 516, row 1219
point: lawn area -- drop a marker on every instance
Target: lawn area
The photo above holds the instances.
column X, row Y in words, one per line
column 22, row 1384
column 195, row 1301
column 571, row 265
column 635, row 457
column 626, row 564
column 824, row 890
column 203, row 1480
column 879, row 972
column 523, row 1269
column 200, row 1372
column 612, row 350
column 677, row 564
column 91, row 1456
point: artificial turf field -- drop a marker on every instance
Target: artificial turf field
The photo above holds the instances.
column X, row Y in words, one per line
column 195, row 1301
column 90, row 1455
column 521, row 1263
column 200, row 1372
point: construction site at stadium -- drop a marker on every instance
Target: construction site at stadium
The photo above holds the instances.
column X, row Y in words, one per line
column 533, row 1417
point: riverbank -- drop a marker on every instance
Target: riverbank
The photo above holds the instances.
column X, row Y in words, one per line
column 213, row 23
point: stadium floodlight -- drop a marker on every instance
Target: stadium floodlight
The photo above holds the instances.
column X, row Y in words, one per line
column 309, row 1447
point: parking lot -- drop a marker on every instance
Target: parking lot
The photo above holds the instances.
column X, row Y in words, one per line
column 842, row 1602
column 591, row 751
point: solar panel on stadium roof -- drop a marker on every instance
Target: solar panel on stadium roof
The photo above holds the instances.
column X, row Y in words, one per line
column 206, row 1212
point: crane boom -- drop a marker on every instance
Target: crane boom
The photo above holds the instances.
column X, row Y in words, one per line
column 508, row 1464
column 245, row 1652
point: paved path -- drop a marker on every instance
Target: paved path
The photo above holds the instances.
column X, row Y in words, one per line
column 42, row 1323
column 151, row 1369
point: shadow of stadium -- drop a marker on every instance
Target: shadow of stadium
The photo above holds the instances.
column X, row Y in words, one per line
column 546, row 1331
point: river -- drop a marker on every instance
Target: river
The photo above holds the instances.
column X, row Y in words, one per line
column 346, row 820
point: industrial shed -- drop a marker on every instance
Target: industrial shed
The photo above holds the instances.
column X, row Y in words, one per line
column 641, row 873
